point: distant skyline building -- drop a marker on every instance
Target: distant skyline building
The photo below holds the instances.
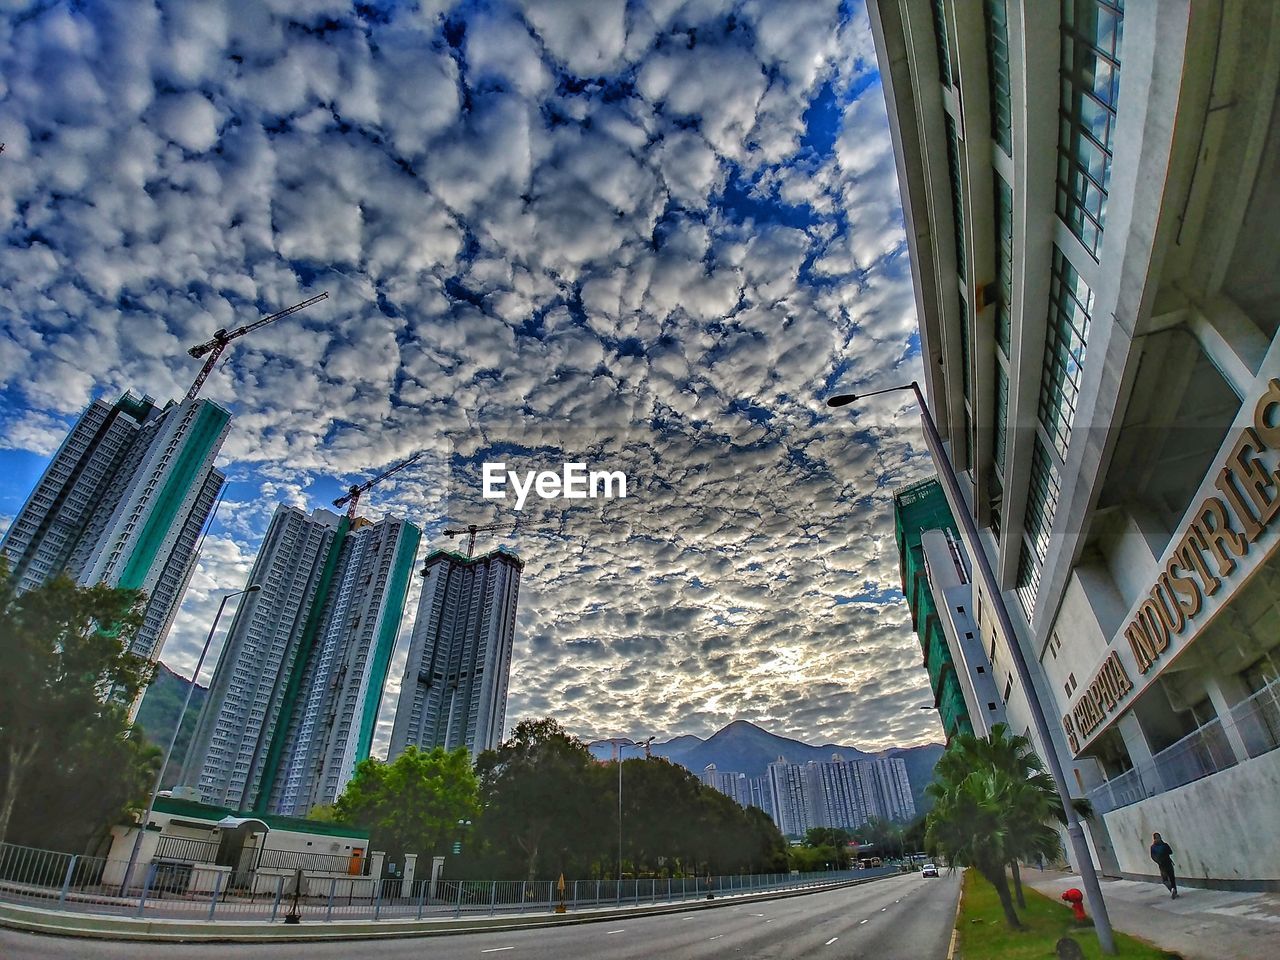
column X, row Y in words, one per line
column 790, row 801
column 122, row 502
column 892, row 787
column 294, row 700
column 454, row 691
column 838, row 793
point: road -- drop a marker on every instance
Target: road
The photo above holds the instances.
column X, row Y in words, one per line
column 904, row 917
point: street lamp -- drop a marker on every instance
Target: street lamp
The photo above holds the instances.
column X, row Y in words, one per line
column 960, row 510
column 177, row 727
column 621, row 742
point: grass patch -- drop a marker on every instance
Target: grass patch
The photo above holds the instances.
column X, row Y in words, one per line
column 984, row 935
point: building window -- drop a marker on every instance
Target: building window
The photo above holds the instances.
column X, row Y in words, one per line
column 991, row 705
column 1028, row 582
column 957, row 195
column 1004, row 262
column 966, row 358
column 1091, row 36
column 982, row 669
column 1008, row 687
column 997, row 17
column 1001, row 414
column 1070, row 304
column 940, row 37
column 1042, row 500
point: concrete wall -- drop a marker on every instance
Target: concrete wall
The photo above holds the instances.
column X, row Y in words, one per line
column 1223, row 828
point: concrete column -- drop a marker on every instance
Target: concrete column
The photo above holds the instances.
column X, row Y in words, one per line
column 1224, row 693
column 376, row 861
column 437, row 867
column 410, row 868
column 1135, row 741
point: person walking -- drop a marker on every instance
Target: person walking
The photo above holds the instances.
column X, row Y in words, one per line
column 1162, row 855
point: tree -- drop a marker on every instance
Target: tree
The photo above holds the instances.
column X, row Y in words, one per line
column 1034, row 804
column 63, row 719
column 1012, row 775
column 535, row 793
column 412, row 804
column 968, row 824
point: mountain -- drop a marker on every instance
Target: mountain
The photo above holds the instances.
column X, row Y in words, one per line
column 742, row 747
column 158, row 714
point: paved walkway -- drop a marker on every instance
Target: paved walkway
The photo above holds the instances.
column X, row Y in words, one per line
column 1200, row 925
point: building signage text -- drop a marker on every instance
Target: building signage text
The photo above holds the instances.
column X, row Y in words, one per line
column 1219, row 533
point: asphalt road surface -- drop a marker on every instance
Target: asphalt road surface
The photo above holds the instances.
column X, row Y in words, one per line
column 904, row 917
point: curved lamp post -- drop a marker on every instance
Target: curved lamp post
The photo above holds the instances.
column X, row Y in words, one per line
column 960, row 510
column 155, row 790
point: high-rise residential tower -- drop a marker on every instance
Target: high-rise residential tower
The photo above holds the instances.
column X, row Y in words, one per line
column 123, row 502
column 454, row 691
column 1090, row 196
column 294, row 701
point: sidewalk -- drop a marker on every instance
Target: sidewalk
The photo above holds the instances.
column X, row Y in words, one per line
column 1199, row 925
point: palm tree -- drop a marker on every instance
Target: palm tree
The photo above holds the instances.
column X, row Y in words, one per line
column 969, row 823
column 1028, row 791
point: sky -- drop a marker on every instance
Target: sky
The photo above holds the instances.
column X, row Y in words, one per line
column 651, row 237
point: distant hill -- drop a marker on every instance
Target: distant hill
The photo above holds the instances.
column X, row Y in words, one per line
column 742, row 747
column 158, row 715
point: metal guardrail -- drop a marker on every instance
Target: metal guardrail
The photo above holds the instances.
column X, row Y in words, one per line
column 172, row 890
column 1209, row 749
column 182, row 848
column 310, row 862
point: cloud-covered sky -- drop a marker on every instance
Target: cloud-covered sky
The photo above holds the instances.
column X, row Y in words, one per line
column 654, row 236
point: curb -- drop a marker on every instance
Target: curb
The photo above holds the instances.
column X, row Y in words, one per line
column 114, row 927
column 955, row 926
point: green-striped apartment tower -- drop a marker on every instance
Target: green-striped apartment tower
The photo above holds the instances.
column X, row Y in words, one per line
column 917, row 509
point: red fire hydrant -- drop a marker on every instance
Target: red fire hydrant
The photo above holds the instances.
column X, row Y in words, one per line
column 1076, row 899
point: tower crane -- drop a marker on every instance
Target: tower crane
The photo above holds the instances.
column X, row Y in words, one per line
column 351, row 499
column 471, row 529
column 221, row 338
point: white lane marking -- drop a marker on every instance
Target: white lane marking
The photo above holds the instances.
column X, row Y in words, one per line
column 831, row 941
column 610, row 933
column 860, row 922
column 497, row 949
column 768, row 921
column 716, row 937
column 688, row 918
column 883, row 909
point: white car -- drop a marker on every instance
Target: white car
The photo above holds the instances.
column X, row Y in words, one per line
column 929, row 870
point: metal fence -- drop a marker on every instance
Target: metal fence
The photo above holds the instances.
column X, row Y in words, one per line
column 195, row 891
column 1251, row 728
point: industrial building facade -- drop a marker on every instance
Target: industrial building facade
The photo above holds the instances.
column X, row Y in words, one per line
column 123, row 502
column 454, row 692
column 295, row 697
column 1090, row 194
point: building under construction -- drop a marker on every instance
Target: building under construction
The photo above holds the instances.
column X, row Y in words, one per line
column 294, row 701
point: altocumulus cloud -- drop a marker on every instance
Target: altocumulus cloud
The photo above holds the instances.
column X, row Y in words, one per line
column 649, row 235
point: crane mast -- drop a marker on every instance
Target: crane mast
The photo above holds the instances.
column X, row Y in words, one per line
column 221, row 338
column 351, row 499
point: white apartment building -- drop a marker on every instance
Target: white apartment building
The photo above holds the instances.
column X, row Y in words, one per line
column 1090, row 191
column 454, row 692
column 123, row 502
